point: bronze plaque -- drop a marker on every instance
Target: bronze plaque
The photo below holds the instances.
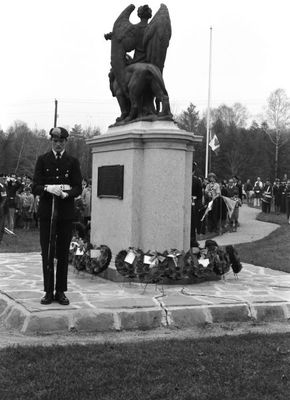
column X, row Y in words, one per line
column 111, row 181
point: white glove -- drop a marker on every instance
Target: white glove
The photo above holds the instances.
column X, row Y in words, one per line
column 63, row 195
column 54, row 189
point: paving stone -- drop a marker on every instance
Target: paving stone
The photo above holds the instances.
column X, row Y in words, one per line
column 93, row 321
column 231, row 313
column 23, row 294
column 178, row 299
column 271, row 312
column 3, row 305
column 281, row 288
column 260, row 292
column 145, row 319
column 130, row 303
column 263, row 299
column 15, row 319
column 188, row 317
column 287, row 307
column 6, row 312
column 46, row 322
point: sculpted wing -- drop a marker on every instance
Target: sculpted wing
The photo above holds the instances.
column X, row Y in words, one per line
column 122, row 41
column 157, row 36
column 124, row 30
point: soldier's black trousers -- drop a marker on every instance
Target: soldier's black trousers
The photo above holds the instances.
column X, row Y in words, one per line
column 63, row 239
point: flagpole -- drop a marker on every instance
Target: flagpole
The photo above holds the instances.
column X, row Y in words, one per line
column 209, row 151
column 208, row 107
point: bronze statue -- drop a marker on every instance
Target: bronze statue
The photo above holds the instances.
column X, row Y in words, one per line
column 137, row 82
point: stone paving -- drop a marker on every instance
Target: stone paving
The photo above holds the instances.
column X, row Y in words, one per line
column 99, row 305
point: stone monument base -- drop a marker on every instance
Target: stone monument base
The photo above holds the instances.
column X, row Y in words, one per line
column 154, row 210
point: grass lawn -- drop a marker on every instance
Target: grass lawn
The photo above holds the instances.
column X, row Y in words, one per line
column 22, row 242
column 271, row 251
column 244, row 367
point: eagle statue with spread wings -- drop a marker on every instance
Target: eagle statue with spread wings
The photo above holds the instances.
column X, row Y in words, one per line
column 137, row 81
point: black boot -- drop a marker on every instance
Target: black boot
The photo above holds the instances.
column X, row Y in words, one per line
column 61, row 298
column 47, row 298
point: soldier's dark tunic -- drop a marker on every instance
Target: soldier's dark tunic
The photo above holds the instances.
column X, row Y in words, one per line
column 196, row 203
column 50, row 171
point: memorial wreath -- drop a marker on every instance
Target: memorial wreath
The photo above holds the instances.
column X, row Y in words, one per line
column 198, row 264
column 85, row 256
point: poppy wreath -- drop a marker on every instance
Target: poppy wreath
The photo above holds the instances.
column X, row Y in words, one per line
column 86, row 257
column 79, row 253
column 154, row 267
column 100, row 258
column 175, row 264
column 129, row 263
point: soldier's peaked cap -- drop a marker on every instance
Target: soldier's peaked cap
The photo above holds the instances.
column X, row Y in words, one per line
column 59, row 132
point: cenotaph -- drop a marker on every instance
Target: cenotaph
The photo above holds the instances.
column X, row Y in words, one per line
column 142, row 166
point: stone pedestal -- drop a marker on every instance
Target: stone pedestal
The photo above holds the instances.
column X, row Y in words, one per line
column 155, row 211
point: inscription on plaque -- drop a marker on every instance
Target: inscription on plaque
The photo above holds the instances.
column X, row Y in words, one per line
column 111, row 181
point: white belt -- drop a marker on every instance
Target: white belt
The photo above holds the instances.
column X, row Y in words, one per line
column 65, row 187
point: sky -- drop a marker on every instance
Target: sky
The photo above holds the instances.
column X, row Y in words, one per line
column 55, row 49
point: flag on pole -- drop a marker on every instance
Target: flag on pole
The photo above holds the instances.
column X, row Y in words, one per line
column 230, row 204
column 208, row 209
column 214, row 144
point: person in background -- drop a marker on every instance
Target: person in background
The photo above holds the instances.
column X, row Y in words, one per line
column 212, row 189
column 196, row 204
column 27, row 207
column 212, row 193
column 12, row 187
column 234, row 220
column 238, row 184
column 267, row 197
column 233, row 193
column 282, row 193
column 249, row 191
column 57, row 176
column 258, row 186
column 287, row 196
column 3, row 207
column 35, row 211
column 276, row 195
column 86, row 198
column 18, row 200
column 224, row 186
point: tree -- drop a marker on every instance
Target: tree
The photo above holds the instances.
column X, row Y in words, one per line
column 241, row 115
column 76, row 131
column 189, row 119
column 236, row 115
column 2, row 150
column 278, row 119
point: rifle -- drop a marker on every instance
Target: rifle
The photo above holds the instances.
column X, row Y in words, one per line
column 52, row 237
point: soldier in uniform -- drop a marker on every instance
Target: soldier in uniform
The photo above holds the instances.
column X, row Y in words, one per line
column 56, row 174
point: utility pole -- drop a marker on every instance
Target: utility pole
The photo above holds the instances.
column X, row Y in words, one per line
column 55, row 113
column 208, row 107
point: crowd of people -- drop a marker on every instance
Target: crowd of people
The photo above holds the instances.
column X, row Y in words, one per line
column 19, row 207
column 271, row 197
column 216, row 204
